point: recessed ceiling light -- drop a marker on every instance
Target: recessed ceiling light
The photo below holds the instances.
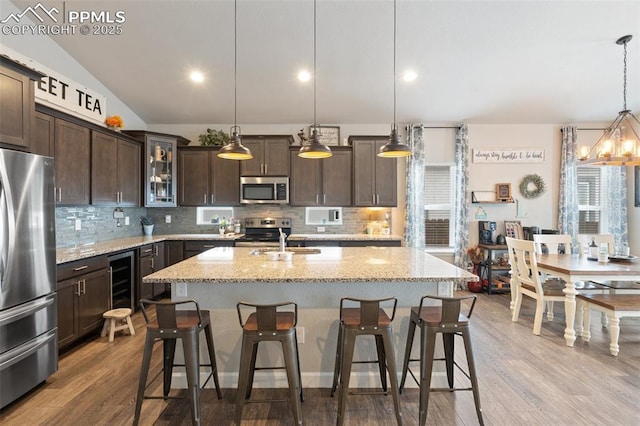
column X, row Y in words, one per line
column 196, row 76
column 304, row 75
column 409, row 76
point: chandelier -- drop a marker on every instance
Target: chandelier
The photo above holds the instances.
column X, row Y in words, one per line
column 620, row 144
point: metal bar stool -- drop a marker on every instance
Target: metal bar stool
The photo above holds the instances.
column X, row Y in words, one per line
column 172, row 324
column 267, row 323
column 448, row 320
column 368, row 318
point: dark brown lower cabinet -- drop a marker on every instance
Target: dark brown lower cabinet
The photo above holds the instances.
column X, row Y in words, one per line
column 173, row 252
column 82, row 298
column 151, row 258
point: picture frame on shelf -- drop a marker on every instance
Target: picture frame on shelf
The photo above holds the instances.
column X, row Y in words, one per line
column 503, row 192
column 328, row 135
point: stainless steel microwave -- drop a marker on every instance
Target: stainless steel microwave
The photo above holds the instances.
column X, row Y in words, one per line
column 264, row 190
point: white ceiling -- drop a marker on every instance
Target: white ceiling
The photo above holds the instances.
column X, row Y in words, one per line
column 477, row 61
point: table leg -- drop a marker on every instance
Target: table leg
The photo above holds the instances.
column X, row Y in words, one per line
column 570, row 311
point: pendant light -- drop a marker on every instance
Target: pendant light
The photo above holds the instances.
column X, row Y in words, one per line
column 315, row 148
column 619, row 145
column 394, row 148
column 234, row 150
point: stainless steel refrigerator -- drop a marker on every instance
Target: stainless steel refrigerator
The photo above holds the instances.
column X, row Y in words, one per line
column 28, row 314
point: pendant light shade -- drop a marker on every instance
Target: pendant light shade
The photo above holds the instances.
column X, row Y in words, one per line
column 394, row 148
column 620, row 144
column 314, row 148
column 234, row 150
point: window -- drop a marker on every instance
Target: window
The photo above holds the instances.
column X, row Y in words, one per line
column 590, row 200
column 438, row 205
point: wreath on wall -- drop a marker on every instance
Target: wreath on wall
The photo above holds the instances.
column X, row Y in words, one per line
column 532, row 186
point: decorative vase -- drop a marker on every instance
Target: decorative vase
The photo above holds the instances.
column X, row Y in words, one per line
column 147, row 229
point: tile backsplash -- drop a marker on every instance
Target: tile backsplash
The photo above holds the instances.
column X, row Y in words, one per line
column 97, row 223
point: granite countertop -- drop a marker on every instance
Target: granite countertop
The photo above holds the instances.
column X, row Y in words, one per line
column 344, row 237
column 223, row 265
column 64, row 255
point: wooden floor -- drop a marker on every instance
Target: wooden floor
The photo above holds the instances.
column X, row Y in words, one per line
column 524, row 380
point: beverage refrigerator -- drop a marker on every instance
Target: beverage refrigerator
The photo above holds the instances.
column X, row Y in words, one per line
column 28, row 314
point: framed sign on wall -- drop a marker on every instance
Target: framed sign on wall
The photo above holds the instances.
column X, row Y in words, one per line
column 328, row 135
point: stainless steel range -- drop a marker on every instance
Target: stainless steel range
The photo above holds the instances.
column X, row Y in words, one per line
column 263, row 231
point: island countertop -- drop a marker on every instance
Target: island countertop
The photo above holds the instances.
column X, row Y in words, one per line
column 331, row 264
column 343, row 237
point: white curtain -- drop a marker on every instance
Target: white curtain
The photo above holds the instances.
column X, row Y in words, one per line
column 460, row 204
column 414, row 216
column 568, row 202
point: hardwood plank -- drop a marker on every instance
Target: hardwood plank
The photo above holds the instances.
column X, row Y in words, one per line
column 523, row 379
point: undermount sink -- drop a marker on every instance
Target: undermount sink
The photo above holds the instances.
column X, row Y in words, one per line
column 298, row 250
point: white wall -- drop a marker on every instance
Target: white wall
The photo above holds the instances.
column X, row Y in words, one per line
column 541, row 211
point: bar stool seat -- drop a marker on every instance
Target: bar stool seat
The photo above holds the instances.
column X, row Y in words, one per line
column 448, row 320
column 172, row 324
column 267, row 323
column 111, row 319
column 368, row 318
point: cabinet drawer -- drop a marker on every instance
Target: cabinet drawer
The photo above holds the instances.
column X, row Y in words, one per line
column 79, row 267
column 200, row 245
column 145, row 251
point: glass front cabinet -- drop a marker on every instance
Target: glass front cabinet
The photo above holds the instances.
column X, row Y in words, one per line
column 160, row 173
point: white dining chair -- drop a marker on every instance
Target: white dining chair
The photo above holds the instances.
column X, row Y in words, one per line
column 526, row 280
column 552, row 244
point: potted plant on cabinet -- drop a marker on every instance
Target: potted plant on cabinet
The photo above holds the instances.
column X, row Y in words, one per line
column 147, row 225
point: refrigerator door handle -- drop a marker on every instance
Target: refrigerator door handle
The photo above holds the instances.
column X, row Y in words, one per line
column 16, row 355
column 7, row 229
column 26, row 309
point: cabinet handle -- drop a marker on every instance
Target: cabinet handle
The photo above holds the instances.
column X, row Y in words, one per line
column 213, row 197
column 205, row 198
column 60, row 194
column 265, row 168
column 155, row 250
column 377, row 198
column 77, row 288
column 84, row 286
column 373, row 199
column 152, row 263
column 317, row 199
column 147, row 251
column 80, row 268
column 324, row 198
column 209, row 246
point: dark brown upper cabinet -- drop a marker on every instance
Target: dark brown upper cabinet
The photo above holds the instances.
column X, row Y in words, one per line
column 115, row 170
column 270, row 155
column 17, row 103
column 321, row 182
column 374, row 178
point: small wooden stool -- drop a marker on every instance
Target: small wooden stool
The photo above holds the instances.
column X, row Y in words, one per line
column 110, row 317
column 616, row 306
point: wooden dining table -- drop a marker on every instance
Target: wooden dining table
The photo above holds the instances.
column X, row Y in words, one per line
column 574, row 268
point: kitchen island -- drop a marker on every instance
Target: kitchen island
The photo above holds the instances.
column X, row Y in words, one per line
column 316, row 279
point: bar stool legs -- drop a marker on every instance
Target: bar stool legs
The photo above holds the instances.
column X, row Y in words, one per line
column 170, row 326
column 368, row 319
column 267, row 324
column 450, row 322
